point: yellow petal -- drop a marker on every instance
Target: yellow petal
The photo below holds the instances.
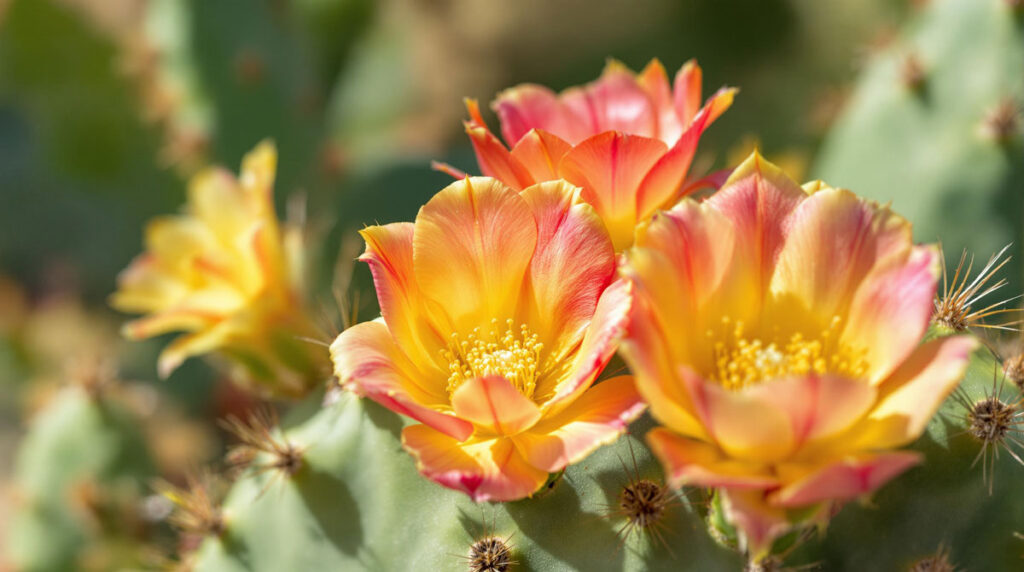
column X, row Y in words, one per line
column 891, row 309
column 743, row 423
column 913, row 393
column 471, row 246
column 367, row 360
column 597, row 348
column 835, row 240
column 184, row 347
column 494, row 406
column 646, row 350
column 691, row 462
column 573, row 264
column 597, row 418
column 759, row 199
column 389, row 253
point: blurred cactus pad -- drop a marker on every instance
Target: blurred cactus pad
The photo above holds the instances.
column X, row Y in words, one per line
column 82, row 472
column 934, row 126
column 108, row 107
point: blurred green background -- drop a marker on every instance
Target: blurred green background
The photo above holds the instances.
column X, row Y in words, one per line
column 107, row 106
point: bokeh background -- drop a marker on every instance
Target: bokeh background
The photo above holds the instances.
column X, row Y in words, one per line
column 107, row 106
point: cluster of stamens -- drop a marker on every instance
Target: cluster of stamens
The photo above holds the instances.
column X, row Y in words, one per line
column 513, row 354
column 740, row 361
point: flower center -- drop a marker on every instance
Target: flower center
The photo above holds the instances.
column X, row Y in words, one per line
column 741, row 361
column 512, row 353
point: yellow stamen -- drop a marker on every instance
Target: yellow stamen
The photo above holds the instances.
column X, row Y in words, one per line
column 741, row 361
column 514, row 355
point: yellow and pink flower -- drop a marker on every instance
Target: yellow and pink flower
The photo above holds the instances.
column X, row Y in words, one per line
column 499, row 309
column 776, row 332
column 626, row 139
column 225, row 272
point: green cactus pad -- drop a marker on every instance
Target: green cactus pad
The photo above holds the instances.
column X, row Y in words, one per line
column 359, row 503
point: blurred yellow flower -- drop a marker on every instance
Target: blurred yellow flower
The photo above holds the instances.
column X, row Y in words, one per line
column 225, row 272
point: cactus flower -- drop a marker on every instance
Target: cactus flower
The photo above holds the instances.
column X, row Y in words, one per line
column 776, row 332
column 626, row 139
column 224, row 272
column 499, row 309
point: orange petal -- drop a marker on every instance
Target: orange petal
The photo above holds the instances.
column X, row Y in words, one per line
column 743, row 423
column 818, row 406
column 389, row 256
column 615, row 102
column 687, row 91
column 610, row 167
column 654, row 80
column 471, row 247
column 690, row 462
column 662, row 185
column 495, row 160
column 530, row 106
column 450, row 170
column 367, row 361
column 913, row 393
column 494, row 405
column 597, row 418
column 573, row 264
column 834, row 241
column 540, row 152
column 599, row 344
column 844, row 480
column 489, row 470
column 759, row 199
column 890, row 311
